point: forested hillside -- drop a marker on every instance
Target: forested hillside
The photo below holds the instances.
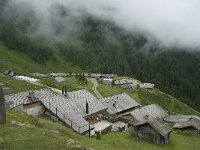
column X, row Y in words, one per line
column 98, row 45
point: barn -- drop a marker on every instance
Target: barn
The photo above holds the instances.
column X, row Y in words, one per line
column 79, row 110
column 180, row 118
column 153, row 130
column 147, row 112
column 29, row 101
column 119, row 104
column 192, row 125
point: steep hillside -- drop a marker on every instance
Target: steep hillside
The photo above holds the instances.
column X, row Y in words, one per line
column 23, row 132
column 146, row 97
column 63, row 41
column 21, row 63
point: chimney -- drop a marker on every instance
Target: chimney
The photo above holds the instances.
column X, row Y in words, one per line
column 87, row 108
column 146, row 117
column 62, row 90
column 115, row 104
column 65, row 91
column 2, row 107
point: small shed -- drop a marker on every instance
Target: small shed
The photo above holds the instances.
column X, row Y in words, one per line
column 154, row 130
column 108, row 76
column 9, row 73
column 192, row 125
column 120, row 82
column 6, row 72
column 146, row 86
column 107, row 81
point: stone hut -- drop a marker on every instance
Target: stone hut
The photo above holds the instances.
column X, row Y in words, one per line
column 192, row 125
column 154, row 130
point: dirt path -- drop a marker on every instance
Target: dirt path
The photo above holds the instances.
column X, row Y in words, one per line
column 95, row 85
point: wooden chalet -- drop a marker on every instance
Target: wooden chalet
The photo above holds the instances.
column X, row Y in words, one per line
column 154, row 130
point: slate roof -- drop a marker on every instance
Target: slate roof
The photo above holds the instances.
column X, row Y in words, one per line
column 126, row 81
column 161, row 127
column 146, row 86
column 14, row 100
column 73, row 107
column 180, row 118
column 123, row 102
column 194, row 122
column 58, row 74
column 149, row 112
column 95, row 75
column 108, row 75
column 59, row 79
column 120, row 82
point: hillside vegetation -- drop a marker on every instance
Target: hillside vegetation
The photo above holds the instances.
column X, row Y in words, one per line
column 23, row 132
column 146, row 97
column 93, row 45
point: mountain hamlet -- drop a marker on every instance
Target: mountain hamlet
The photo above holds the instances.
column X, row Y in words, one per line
column 90, row 116
column 99, row 75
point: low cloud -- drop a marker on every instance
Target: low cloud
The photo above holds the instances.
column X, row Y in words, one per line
column 171, row 22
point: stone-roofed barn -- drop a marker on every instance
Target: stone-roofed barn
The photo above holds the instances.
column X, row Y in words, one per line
column 119, row 103
column 154, row 130
column 120, row 82
column 180, row 118
column 149, row 112
column 72, row 109
column 29, row 101
column 192, row 125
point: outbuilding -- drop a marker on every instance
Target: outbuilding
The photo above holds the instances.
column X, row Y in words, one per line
column 154, row 130
column 192, row 125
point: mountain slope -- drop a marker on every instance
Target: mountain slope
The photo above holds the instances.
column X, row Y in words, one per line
column 21, row 63
column 26, row 132
column 66, row 41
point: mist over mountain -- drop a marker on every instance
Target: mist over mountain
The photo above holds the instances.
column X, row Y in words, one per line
column 154, row 41
column 171, row 22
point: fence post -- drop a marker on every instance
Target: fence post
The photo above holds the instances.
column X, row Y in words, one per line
column 89, row 129
column 56, row 112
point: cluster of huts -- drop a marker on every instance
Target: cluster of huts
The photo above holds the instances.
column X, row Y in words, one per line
column 107, row 79
column 93, row 75
column 88, row 115
column 127, row 83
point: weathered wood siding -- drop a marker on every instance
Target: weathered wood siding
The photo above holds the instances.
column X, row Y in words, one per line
column 190, row 129
column 149, row 133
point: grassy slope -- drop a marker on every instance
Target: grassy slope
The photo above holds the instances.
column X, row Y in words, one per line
column 21, row 63
column 42, row 133
column 71, row 83
column 17, row 85
column 146, row 97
